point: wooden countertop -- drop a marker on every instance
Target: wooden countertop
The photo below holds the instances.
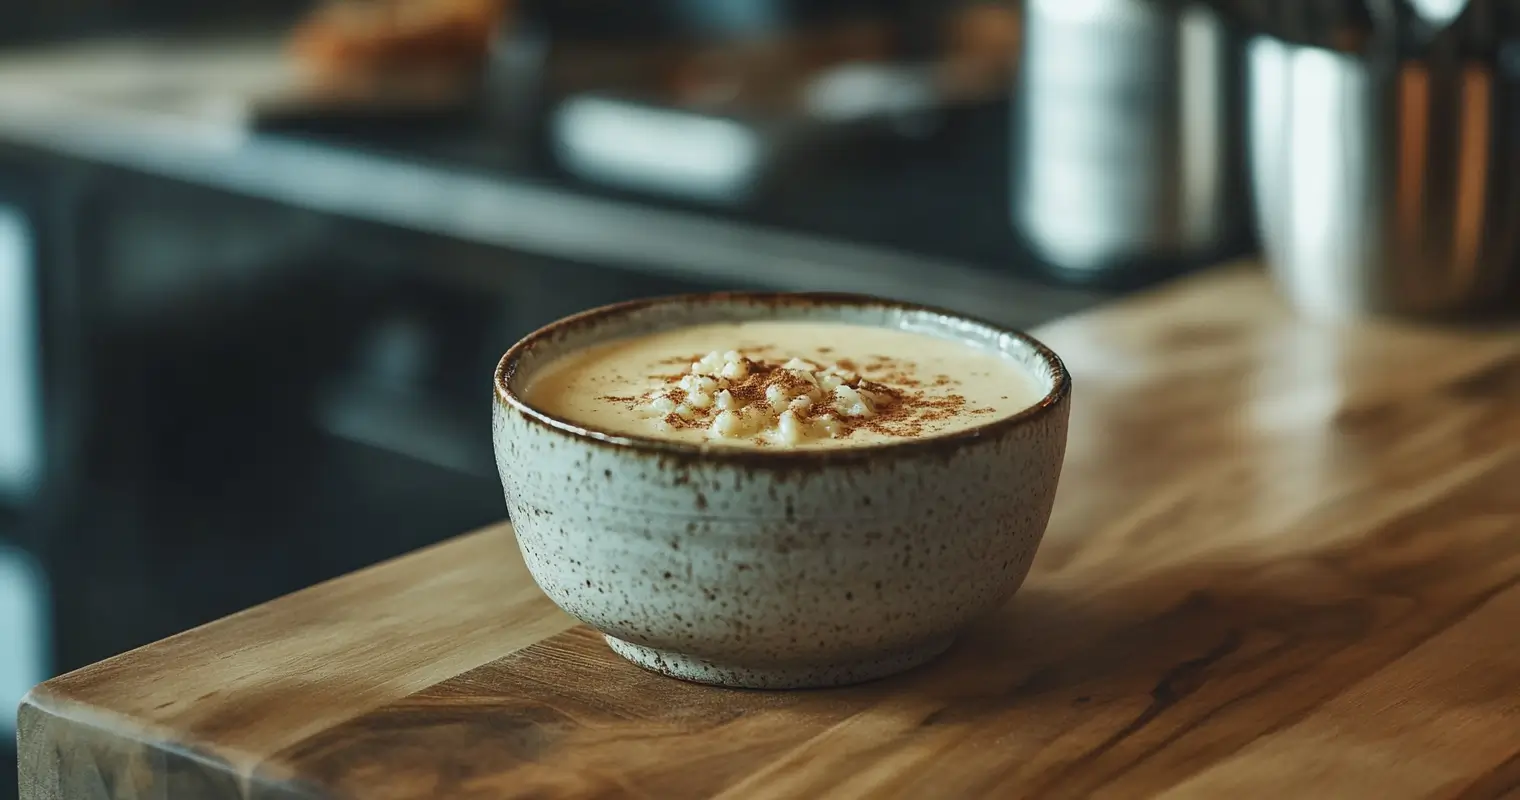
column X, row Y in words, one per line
column 1284, row 562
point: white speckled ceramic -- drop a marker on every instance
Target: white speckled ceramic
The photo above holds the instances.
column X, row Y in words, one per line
column 775, row 568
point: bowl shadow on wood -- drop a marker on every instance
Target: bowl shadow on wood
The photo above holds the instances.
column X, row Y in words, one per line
column 1157, row 641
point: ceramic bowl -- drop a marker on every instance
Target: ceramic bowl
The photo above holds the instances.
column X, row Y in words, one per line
column 777, row 568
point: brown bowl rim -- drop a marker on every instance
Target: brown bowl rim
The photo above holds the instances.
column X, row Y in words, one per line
column 941, row 443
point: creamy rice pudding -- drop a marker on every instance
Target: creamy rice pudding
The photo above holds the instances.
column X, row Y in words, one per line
column 784, row 384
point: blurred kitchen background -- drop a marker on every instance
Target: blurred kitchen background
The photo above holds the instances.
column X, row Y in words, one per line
column 258, row 257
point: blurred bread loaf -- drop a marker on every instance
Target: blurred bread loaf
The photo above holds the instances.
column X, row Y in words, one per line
column 352, row 37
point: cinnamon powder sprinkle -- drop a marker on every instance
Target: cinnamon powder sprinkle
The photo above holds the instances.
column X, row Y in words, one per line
column 900, row 407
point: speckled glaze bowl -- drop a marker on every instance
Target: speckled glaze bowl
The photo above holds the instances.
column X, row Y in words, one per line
column 777, row 568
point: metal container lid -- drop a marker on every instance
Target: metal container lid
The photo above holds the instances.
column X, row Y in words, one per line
column 1400, row 27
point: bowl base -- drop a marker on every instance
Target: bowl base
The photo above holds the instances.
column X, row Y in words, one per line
column 806, row 676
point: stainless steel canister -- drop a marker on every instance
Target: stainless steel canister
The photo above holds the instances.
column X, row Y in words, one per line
column 1385, row 155
column 1126, row 136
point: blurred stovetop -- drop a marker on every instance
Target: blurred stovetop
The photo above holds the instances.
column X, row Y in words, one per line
column 922, row 216
column 943, row 196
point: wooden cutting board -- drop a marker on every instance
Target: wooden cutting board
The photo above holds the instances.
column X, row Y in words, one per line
column 1284, row 563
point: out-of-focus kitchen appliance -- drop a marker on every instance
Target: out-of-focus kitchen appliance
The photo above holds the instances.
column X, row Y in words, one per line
column 1126, row 145
column 1385, row 154
column 712, row 102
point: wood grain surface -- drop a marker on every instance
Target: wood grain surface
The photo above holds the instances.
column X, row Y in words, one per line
column 1284, row 562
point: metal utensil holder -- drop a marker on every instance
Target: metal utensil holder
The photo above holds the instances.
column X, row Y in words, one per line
column 1384, row 155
